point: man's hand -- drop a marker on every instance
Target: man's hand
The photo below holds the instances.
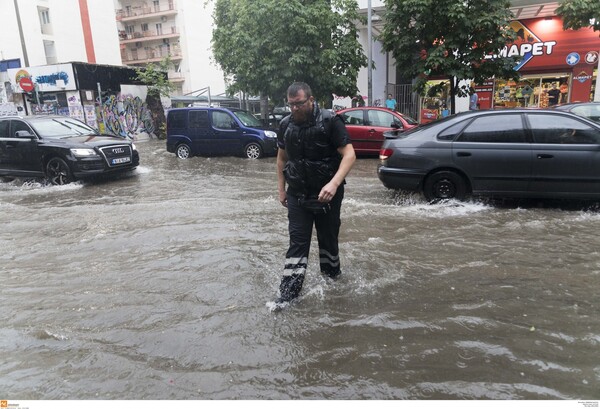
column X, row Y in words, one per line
column 327, row 192
column 283, row 198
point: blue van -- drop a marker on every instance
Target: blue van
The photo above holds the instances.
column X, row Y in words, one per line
column 218, row 132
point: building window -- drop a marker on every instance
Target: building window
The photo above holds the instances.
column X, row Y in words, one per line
column 156, row 5
column 45, row 16
column 144, row 27
column 159, row 29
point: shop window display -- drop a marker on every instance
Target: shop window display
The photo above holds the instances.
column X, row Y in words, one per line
column 532, row 91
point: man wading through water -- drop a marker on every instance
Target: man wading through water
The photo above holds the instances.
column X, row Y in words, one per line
column 314, row 157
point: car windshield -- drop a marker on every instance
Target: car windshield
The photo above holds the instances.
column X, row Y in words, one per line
column 247, row 118
column 61, row 128
column 409, row 120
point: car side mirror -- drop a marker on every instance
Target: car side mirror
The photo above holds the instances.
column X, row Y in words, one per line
column 24, row 134
column 395, row 125
column 234, row 125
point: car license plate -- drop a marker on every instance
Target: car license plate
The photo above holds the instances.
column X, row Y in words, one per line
column 116, row 161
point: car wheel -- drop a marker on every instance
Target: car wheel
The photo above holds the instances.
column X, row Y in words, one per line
column 253, row 150
column 58, row 172
column 183, row 151
column 444, row 185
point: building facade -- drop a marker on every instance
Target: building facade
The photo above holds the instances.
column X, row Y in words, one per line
column 149, row 30
column 549, row 56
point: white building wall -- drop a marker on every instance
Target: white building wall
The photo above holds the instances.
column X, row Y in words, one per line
column 196, row 24
column 104, row 32
column 383, row 65
column 67, row 31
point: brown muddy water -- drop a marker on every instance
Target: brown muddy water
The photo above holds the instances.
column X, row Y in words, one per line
column 157, row 285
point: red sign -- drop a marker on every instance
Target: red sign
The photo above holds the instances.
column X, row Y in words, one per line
column 26, row 84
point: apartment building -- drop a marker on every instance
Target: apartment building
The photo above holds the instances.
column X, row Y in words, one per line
column 150, row 30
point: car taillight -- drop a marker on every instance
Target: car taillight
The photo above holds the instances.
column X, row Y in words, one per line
column 385, row 153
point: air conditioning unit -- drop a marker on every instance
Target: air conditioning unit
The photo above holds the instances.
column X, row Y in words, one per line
column 163, row 19
column 138, row 44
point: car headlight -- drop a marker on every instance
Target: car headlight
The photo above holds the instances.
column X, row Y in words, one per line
column 83, row 153
column 133, row 147
column 270, row 134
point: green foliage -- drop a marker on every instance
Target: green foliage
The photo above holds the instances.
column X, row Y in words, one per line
column 155, row 77
column 263, row 46
column 449, row 38
column 577, row 14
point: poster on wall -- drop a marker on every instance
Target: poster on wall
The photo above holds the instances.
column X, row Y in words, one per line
column 90, row 115
column 47, row 78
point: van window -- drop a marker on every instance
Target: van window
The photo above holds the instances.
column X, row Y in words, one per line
column 222, row 120
column 198, row 119
column 176, row 120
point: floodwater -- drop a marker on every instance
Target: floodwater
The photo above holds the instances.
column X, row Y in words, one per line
column 157, row 286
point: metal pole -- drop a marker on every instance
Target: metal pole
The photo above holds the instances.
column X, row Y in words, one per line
column 370, row 52
column 23, row 45
column 597, row 90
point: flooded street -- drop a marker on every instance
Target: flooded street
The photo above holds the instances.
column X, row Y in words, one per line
column 156, row 285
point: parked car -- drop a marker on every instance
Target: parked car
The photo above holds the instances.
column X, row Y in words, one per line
column 60, row 148
column 589, row 110
column 366, row 126
column 218, row 131
column 507, row 153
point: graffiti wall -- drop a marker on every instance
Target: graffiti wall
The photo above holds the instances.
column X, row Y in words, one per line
column 125, row 115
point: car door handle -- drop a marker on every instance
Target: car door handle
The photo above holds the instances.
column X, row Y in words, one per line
column 463, row 154
column 544, row 156
column 372, row 131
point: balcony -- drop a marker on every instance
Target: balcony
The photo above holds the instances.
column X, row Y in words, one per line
column 142, row 56
column 150, row 35
column 142, row 13
column 176, row 76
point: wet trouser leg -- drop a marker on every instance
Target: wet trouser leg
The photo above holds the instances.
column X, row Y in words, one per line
column 300, row 229
column 328, row 230
column 300, row 223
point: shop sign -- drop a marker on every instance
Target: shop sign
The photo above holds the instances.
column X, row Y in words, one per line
column 582, row 77
column 591, row 57
column 573, row 59
column 48, row 78
column 542, row 43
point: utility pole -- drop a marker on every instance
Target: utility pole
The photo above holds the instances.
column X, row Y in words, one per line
column 370, row 52
column 23, row 46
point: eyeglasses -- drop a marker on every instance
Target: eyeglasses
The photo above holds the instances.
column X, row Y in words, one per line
column 297, row 104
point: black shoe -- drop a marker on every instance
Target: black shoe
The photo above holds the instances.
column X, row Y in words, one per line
column 333, row 274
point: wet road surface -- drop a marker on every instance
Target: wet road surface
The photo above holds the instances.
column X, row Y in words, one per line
column 156, row 286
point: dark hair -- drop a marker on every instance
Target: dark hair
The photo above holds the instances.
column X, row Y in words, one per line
column 296, row 87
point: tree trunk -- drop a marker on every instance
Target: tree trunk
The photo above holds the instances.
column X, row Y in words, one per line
column 159, row 122
column 264, row 108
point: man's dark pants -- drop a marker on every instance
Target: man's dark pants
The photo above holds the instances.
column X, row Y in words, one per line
column 301, row 223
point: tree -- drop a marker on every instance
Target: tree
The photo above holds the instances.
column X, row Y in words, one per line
column 577, row 14
column 157, row 80
column 263, row 46
column 458, row 40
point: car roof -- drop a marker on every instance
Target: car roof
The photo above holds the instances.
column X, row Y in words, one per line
column 575, row 104
column 32, row 118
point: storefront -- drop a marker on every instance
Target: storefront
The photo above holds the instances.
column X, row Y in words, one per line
column 556, row 66
column 106, row 97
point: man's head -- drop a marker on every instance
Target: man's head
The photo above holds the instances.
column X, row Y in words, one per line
column 389, row 96
column 300, row 101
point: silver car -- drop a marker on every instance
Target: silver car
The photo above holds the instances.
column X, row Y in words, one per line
column 503, row 153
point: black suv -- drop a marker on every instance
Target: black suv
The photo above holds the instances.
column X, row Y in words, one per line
column 60, row 148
